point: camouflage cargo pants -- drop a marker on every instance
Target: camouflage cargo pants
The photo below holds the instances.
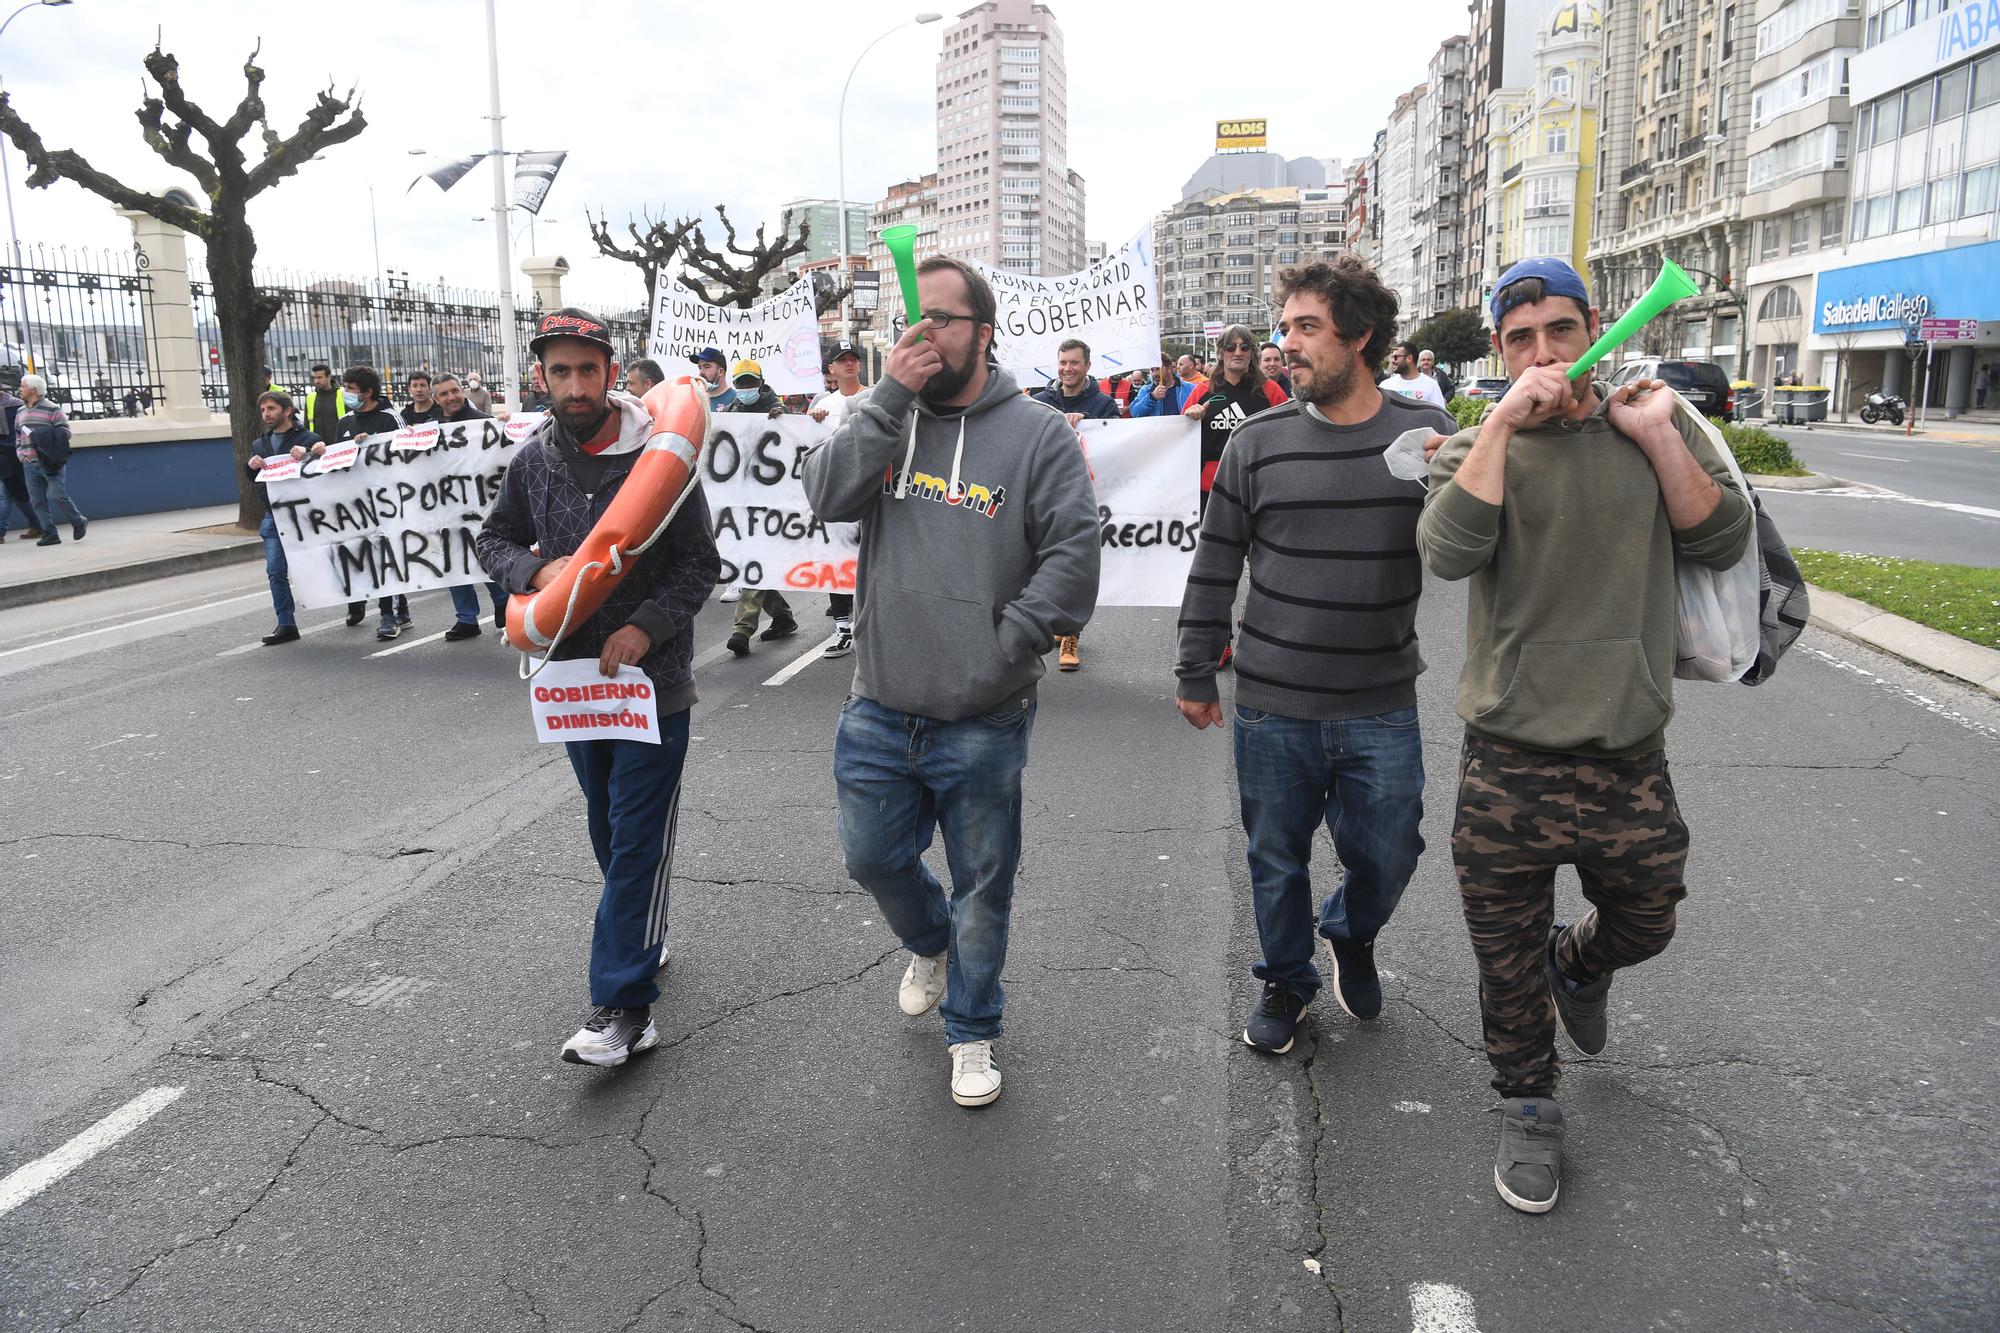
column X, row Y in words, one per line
column 1521, row 814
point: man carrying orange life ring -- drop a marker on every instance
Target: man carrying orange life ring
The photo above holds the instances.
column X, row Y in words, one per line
column 560, row 483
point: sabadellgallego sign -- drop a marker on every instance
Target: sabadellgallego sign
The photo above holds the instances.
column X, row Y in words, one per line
column 1959, row 283
column 1147, row 475
column 781, row 335
column 1113, row 306
column 397, row 513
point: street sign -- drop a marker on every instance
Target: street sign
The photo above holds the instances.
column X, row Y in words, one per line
column 215, row 356
column 1948, row 330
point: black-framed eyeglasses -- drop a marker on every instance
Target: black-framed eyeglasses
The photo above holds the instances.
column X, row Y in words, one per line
column 940, row 319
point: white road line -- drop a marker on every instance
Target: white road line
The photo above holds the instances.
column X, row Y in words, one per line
column 1437, row 1307
column 708, row 655
column 413, row 643
column 1880, row 458
column 256, row 644
column 30, row 1180
column 134, row 624
column 803, row 660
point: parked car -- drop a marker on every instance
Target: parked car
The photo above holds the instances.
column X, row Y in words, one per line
column 1703, row 383
column 1487, row 387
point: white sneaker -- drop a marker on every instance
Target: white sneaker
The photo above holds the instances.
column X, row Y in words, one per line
column 975, row 1079
column 611, row 1036
column 923, row 984
column 731, row 595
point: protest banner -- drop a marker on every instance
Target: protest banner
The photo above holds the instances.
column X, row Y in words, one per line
column 279, row 467
column 1113, row 306
column 1147, row 476
column 781, row 335
column 573, row 700
column 392, row 519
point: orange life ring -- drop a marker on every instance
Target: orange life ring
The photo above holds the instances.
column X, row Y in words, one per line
column 661, row 479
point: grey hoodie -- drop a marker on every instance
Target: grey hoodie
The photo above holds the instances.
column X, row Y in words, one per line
column 979, row 544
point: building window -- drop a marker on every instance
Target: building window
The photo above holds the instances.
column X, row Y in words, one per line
column 1728, row 30
column 1767, row 246
column 1780, row 303
column 1829, row 226
column 1559, row 81
column 1917, row 106
column 1986, row 82
column 1556, row 140
column 1801, row 232
column 1977, row 197
column 1288, row 256
column 1910, row 208
column 1944, row 199
column 1242, row 261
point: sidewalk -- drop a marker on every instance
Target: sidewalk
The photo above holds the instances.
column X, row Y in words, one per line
column 1934, row 650
column 1970, row 429
column 120, row 551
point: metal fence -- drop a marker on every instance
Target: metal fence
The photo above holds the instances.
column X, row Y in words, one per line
column 341, row 323
column 82, row 320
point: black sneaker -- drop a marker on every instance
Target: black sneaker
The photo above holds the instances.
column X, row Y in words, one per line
column 1274, row 1021
column 1528, row 1168
column 500, row 620
column 356, row 613
column 77, row 529
column 461, row 630
column 403, row 617
column 782, row 627
column 611, row 1036
column 1355, row 984
column 282, row 634
column 49, row 539
column 1581, row 1010
column 739, row 643
column 387, row 630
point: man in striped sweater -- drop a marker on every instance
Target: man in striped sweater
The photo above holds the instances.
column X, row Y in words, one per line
column 1326, row 698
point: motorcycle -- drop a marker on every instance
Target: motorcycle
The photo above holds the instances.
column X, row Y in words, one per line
column 1883, row 405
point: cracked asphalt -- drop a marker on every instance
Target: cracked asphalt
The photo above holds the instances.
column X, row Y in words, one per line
column 345, row 903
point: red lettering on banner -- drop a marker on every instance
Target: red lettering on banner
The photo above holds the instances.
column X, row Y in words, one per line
column 811, row 574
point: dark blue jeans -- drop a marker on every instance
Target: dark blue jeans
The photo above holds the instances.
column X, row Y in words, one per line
column 1362, row 778
column 276, row 570
column 633, row 792
column 50, row 495
column 902, row 778
column 465, row 601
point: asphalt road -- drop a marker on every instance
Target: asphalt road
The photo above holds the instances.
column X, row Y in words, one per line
column 342, row 902
column 1943, row 502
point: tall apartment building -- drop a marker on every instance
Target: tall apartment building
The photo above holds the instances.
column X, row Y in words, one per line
column 1875, row 161
column 913, row 203
column 1006, row 192
column 1542, row 150
column 1500, row 54
column 1219, row 256
column 1440, row 219
column 1671, row 169
column 1398, row 181
column 823, row 218
column 1359, row 185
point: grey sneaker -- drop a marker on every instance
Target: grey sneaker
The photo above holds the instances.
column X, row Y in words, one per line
column 1581, row 1010
column 1528, row 1168
column 611, row 1036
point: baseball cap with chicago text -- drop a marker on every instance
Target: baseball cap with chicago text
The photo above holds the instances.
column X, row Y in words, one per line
column 570, row 322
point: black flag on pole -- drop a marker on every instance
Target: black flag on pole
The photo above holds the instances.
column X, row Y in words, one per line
column 534, row 173
column 449, row 174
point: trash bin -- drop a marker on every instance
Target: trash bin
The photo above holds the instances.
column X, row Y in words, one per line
column 1784, row 403
column 1749, row 400
column 1809, row 402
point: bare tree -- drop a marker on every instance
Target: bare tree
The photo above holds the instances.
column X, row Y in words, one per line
column 734, row 284
column 169, row 121
column 653, row 247
column 1844, row 339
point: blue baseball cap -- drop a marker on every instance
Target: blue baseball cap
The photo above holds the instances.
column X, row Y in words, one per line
column 1558, row 279
column 709, row 354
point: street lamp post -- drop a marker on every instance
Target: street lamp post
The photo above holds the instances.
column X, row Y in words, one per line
column 6, row 173
column 840, row 155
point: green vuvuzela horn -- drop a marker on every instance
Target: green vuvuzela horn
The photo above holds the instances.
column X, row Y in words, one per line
column 902, row 243
column 1672, row 285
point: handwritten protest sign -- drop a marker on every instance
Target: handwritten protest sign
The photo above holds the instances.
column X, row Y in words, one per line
column 281, row 467
column 1113, row 306
column 575, row 701
column 393, row 519
column 781, row 334
column 1147, row 475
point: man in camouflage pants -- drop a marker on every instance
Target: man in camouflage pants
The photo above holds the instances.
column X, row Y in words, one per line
column 1568, row 510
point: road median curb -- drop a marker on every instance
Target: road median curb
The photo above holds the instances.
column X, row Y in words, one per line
column 1932, row 649
column 136, row 571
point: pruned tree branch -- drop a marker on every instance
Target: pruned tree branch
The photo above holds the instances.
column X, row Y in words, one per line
column 321, row 128
column 47, row 166
column 652, row 249
column 734, row 285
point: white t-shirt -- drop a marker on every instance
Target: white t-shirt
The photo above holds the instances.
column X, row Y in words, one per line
column 1423, row 387
column 835, row 404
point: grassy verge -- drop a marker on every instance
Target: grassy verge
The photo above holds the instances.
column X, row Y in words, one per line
column 1958, row 599
column 1758, row 451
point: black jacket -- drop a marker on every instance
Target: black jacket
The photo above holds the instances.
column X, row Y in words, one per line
column 378, row 422
column 766, row 401
column 411, row 417
column 271, row 444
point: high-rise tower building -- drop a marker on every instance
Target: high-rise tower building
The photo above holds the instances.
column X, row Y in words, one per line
column 1006, row 193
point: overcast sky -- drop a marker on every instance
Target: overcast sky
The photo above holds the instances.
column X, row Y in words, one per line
column 672, row 108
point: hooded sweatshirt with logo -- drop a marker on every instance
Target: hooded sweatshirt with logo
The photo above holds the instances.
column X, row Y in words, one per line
column 1227, row 406
column 979, row 543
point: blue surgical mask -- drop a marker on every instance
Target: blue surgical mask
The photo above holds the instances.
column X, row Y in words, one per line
column 349, row 400
column 748, row 394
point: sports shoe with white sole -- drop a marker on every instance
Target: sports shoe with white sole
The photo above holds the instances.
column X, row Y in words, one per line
column 611, row 1036
column 1528, row 1168
column 1355, row 983
column 923, row 984
column 842, row 645
column 975, row 1079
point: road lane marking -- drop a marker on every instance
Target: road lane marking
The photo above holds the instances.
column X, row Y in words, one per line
column 255, row 644
column 1884, row 493
column 134, row 624
column 803, row 660
column 1437, row 1307
column 1880, row 458
column 30, row 1180
column 413, row 643
column 706, row 656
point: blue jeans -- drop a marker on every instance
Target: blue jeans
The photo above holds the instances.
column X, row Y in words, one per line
column 1364, row 779
column 465, row 603
column 633, row 793
column 277, row 572
column 903, row 777
column 46, row 491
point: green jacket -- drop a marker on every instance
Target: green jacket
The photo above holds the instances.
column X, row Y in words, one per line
column 1574, row 602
